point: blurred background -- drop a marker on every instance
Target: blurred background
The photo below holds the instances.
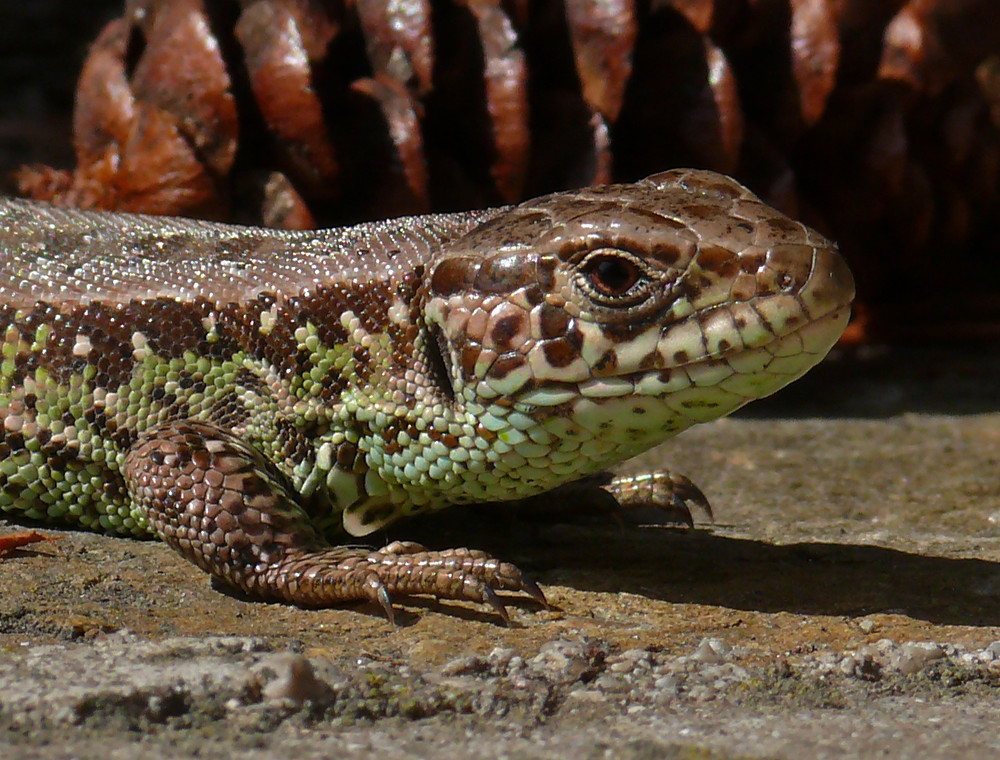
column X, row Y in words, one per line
column 876, row 121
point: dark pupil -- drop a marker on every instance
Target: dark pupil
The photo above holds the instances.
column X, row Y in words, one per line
column 614, row 277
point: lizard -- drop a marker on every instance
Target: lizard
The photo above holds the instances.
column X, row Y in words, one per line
column 250, row 395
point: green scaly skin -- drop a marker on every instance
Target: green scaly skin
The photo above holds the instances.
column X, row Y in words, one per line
column 247, row 395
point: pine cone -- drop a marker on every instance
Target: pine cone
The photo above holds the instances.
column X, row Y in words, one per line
column 877, row 121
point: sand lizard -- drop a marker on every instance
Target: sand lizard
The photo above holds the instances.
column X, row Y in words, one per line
column 247, row 395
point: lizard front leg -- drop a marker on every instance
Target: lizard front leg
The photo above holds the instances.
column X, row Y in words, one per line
column 223, row 506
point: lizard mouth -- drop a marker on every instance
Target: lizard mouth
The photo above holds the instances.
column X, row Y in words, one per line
column 739, row 374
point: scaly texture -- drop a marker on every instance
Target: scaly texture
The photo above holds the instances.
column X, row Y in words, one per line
column 244, row 394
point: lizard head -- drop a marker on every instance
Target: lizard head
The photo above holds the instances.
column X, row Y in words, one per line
column 625, row 313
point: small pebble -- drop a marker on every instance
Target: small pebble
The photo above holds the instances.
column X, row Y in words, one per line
column 712, row 650
column 465, row 666
column 501, row 657
column 913, row 656
column 291, row 677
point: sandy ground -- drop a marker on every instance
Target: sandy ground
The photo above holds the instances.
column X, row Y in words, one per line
column 856, row 513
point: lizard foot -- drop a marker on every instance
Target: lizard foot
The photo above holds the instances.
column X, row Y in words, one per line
column 657, row 497
column 404, row 568
column 661, row 489
column 224, row 507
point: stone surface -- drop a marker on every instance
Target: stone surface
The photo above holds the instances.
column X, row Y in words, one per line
column 846, row 603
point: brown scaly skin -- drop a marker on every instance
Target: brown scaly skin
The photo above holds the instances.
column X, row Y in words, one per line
column 246, row 394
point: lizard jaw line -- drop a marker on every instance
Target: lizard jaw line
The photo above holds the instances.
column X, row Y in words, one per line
column 816, row 337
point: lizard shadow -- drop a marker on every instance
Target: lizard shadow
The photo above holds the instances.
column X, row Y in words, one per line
column 699, row 567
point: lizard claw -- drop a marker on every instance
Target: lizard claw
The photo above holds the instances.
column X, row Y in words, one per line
column 661, row 489
column 385, row 600
column 532, row 589
column 491, row 598
column 685, row 491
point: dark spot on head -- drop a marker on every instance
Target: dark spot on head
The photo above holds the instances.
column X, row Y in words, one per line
column 505, row 365
column 574, row 337
column 718, row 260
column 725, row 345
column 545, row 272
column 618, row 332
column 608, row 362
column 559, row 352
column 691, row 289
column 552, row 321
column 650, row 360
column 503, row 274
column 454, row 275
column 505, row 330
column 720, row 187
column 783, row 226
column 751, row 262
column 699, row 210
column 666, row 253
column 534, row 294
column 681, row 357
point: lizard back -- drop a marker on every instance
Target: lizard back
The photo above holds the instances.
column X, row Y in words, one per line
column 69, row 257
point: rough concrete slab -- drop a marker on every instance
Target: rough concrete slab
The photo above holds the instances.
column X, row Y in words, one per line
column 845, row 603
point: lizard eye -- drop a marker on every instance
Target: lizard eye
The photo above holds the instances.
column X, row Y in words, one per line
column 613, row 278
